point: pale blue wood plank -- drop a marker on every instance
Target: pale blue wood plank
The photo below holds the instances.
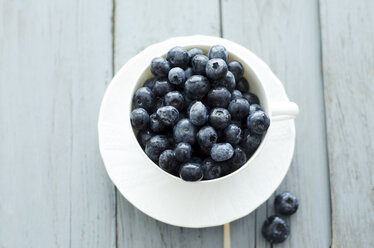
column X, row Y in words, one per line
column 286, row 35
column 55, row 62
column 136, row 28
column 348, row 70
column 136, row 229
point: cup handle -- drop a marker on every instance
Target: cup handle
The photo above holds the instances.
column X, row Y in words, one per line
column 283, row 111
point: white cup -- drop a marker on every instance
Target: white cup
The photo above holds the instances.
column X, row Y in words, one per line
column 276, row 110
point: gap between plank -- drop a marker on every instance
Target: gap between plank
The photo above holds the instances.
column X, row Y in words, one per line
column 220, row 18
column 325, row 124
column 226, row 227
column 71, row 169
column 113, row 32
column 113, row 36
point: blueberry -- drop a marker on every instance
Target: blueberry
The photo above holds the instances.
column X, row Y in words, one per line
column 225, row 167
column 211, row 169
column 221, row 152
column 143, row 98
column 169, row 135
column 177, row 76
column 218, row 51
column 251, row 98
column 196, row 160
column 219, row 118
column 144, row 136
column 201, row 151
column 195, row 51
column 167, row 161
column 175, row 99
column 242, row 85
column 196, row 87
column 150, row 83
column 178, row 57
column 230, row 81
column 235, row 94
column 207, row 137
column 160, row 67
column 198, row 114
column 275, row 229
column 155, row 146
column 286, row 203
column 183, row 152
column 218, row 97
column 239, row 158
column 258, row 122
column 239, row 108
column 187, row 101
column 239, row 123
column 155, row 124
column 250, row 141
column 161, row 87
column 227, row 81
column 203, row 101
column 184, row 131
column 232, row 134
column 139, row 118
column 220, row 133
column 236, row 68
column 183, row 115
column 216, row 69
column 191, row 172
column 254, row 107
column 198, row 63
column 168, row 115
column 159, row 102
column 188, row 72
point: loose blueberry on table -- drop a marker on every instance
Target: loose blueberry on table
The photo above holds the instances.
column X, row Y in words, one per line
column 286, row 203
column 196, row 118
column 275, row 229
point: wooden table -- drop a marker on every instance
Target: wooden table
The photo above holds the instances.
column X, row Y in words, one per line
column 58, row 57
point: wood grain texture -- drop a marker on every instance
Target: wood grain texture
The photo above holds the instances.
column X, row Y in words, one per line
column 136, row 229
column 55, row 62
column 243, row 232
column 138, row 25
column 348, row 70
column 285, row 34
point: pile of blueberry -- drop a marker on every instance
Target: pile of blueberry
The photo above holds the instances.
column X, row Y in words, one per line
column 276, row 229
column 196, row 118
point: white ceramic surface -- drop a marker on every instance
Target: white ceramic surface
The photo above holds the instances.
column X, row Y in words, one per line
column 195, row 204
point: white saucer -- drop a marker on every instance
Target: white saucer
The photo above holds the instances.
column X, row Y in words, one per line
column 169, row 199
